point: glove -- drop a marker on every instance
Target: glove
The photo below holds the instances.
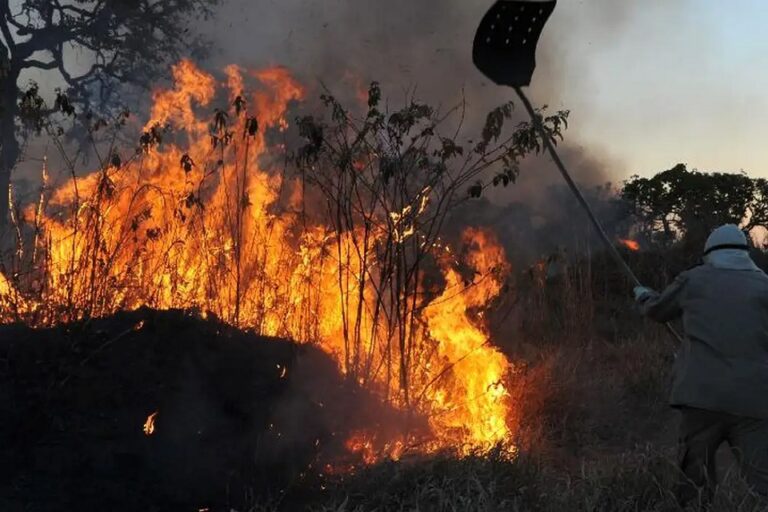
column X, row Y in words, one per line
column 642, row 292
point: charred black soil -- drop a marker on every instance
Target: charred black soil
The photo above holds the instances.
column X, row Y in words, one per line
column 238, row 414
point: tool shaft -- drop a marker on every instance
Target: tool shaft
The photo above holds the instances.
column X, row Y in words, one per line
column 549, row 145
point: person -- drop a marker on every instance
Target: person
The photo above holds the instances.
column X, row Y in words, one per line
column 721, row 373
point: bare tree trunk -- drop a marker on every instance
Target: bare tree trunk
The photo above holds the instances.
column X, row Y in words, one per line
column 9, row 146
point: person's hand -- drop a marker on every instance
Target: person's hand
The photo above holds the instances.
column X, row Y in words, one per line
column 641, row 292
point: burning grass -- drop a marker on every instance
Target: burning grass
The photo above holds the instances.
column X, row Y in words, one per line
column 243, row 424
column 335, row 244
column 255, row 424
column 642, row 479
column 632, row 245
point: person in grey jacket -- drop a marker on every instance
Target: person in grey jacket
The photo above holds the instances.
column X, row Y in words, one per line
column 721, row 373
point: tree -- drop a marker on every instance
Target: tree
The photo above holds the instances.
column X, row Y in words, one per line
column 387, row 181
column 682, row 205
column 125, row 41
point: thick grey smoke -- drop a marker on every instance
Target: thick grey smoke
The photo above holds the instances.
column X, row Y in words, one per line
column 426, row 45
column 423, row 47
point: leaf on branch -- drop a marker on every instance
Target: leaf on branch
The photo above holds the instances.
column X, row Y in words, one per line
column 99, row 124
column 506, row 176
column 404, row 119
column 115, row 160
column 312, row 132
column 439, row 168
column 106, row 186
column 220, row 120
column 557, row 123
column 152, row 137
column 32, row 108
column 338, row 113
column 494, row 123
column 222, row 139
column 449, row 149
column 239, row 104
column 122, row 118
column 62, row 103
column 186, row 163
column 387, row 168
column 374, row 96
column 140, row 218
column 476, row 190
column 251, row 127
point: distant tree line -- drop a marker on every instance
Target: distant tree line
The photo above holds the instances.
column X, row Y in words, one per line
column 681, row 206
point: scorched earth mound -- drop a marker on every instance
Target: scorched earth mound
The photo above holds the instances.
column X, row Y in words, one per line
column 235, row 414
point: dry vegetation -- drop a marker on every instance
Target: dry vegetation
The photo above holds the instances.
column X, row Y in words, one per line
column 597, row 433
column 228, row 229
column 597, row 436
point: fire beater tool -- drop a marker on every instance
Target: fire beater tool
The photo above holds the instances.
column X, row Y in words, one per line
column 504, row 50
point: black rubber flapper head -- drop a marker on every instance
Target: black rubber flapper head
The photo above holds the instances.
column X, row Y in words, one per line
column 505, row 42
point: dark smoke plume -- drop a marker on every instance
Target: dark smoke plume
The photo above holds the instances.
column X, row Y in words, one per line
column 425, row 46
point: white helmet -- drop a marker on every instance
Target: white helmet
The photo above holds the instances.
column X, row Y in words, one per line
column 727, row 236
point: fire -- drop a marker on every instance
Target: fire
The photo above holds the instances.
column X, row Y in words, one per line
column 477, row 368
column 149, row 425
column 632, row 245
column 202, row 217
column 362, row 445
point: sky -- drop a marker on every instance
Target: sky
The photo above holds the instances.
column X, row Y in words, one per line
column 649, row 83
column 690, row 87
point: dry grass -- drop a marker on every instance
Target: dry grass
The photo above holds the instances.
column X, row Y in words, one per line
column 640, row 480
column 596, row 435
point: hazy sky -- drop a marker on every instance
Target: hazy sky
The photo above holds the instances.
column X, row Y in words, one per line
column 649, row 83
column 678, row 84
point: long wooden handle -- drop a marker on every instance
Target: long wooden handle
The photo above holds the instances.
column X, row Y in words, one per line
column 580, row 197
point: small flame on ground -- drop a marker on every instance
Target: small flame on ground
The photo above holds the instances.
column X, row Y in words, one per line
column 364, row 447
column 632, row 245
column 149, row 425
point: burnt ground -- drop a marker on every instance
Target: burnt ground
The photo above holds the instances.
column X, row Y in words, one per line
column 74, row 399
column 232, row 434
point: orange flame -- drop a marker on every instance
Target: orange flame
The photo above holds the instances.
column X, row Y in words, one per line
column 207, row 221
column 632, row 245
column 149, row 425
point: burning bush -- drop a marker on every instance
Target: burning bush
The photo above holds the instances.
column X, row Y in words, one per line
column 337, row 243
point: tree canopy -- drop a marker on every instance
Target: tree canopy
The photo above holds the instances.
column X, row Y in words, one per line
column 91, row 46
column 686, row 205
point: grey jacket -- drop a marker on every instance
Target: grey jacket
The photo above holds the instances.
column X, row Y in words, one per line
column 723, row 364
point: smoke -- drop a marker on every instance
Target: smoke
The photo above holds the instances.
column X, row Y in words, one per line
column 425, row 47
